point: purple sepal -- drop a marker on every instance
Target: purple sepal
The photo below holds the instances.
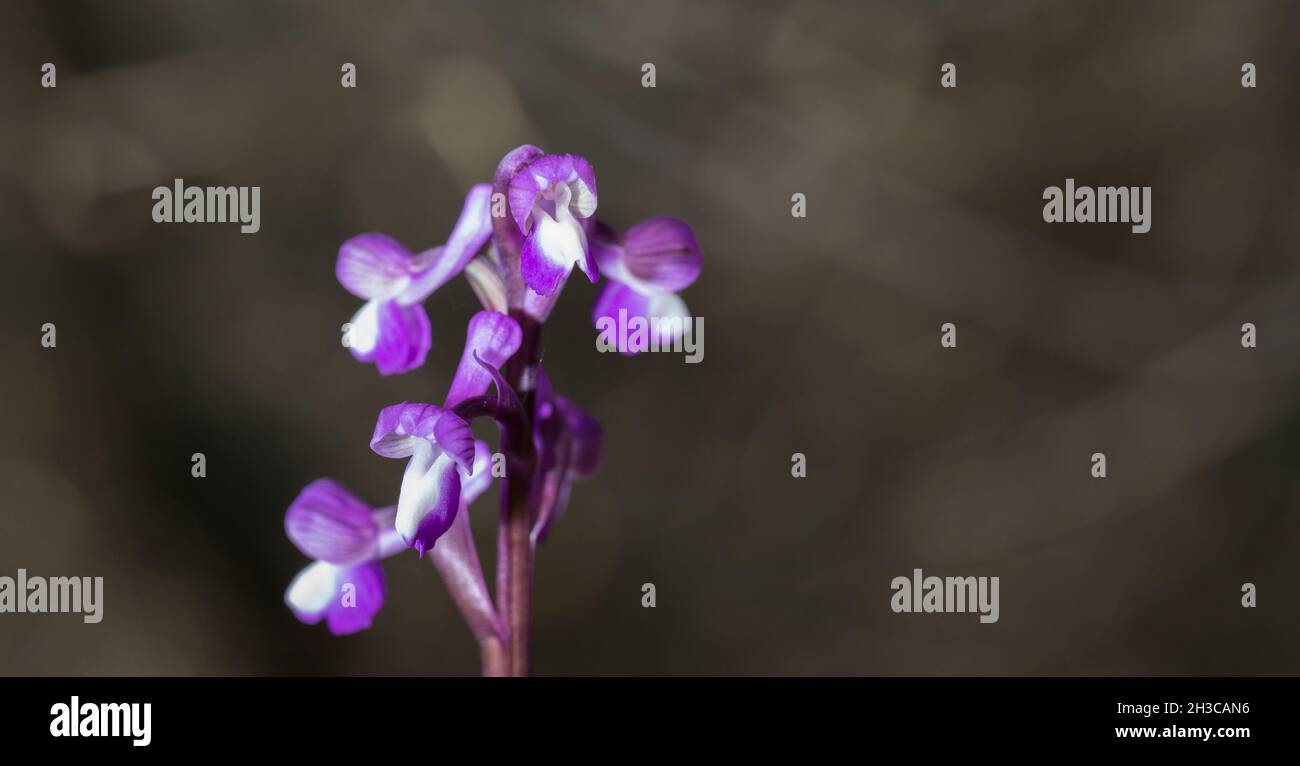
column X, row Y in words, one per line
column 455, row 438
column 507, row 399
column 373, row 266
column 329, row 523
column 509, row 166
column 400, row 427
column 657, row 255
column 495, row 337
column 435, row 267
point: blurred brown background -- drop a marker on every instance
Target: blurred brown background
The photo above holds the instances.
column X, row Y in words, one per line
column 822, row 334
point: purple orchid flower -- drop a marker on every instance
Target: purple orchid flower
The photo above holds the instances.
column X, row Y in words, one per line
column 345, row 585
column 552, row 199
column 392, row 328
column 436, row 440
column 646, row 266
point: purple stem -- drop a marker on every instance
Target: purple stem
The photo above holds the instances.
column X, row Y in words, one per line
column 514, row 543
column 511, row 619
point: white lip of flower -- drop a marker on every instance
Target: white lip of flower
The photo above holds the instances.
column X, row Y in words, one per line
column 667, row 305
column 363, row 332
column 420, row 488
column 313, row 589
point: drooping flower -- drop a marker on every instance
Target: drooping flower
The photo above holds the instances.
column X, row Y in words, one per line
column 436, row 440
column 345, row 585
column 645, row 267
column 552, row 199
column 430, row 492
column 568, row 443
column 392, row 328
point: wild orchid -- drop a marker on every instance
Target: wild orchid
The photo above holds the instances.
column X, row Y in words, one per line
column 517, row 242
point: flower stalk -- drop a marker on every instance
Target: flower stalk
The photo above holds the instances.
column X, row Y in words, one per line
column 515, row 553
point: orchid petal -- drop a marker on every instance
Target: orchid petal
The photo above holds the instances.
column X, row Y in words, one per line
column 669, row 318
column 665, row 314
column 584, row 199
column 373, row 266
column 552, row 199
column 496, row 338
column 550, row 170
column 396, row 338
column 485, row 280
column 311, row 591
column 506, row 395
column 401, row 428
column 359, row 596
column 657, row 255
column 347, row 598
column 363, row 331
column 616, row 297
column 454, row 437
column 429, row 499
column 474, row 483
column 329, row 523
column 583, row 203
column 544, row 272
column 520, row 190
column 469, row 235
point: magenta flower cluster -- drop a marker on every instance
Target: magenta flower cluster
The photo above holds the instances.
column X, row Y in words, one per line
column 517, row 241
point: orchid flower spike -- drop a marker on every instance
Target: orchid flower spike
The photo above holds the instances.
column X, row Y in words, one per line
column 392, row 329
column 517, row 242
column 646, row 267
